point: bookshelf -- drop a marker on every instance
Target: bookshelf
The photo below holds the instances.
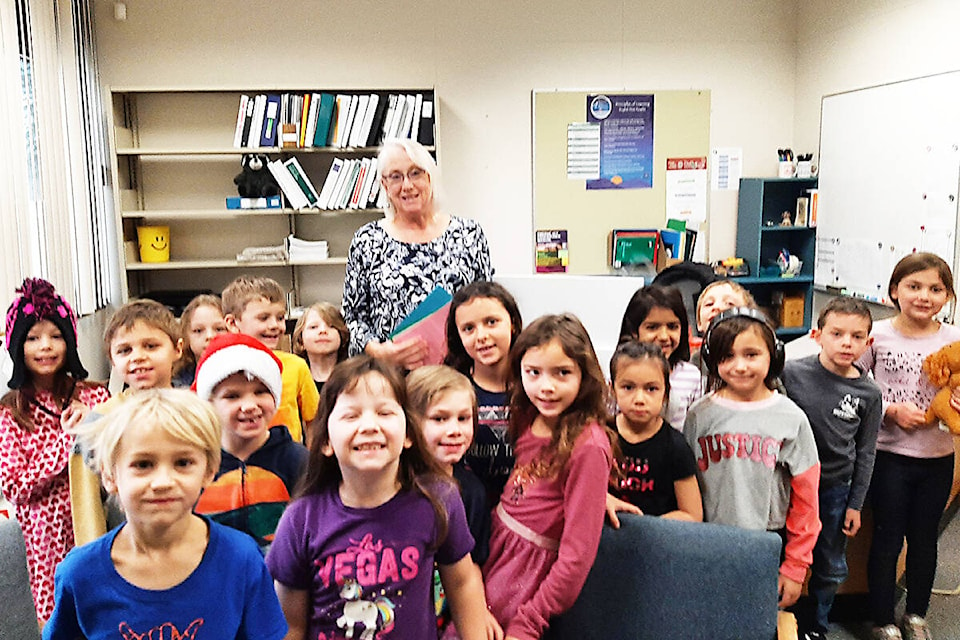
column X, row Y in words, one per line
column 760, row 239
column 173, row 164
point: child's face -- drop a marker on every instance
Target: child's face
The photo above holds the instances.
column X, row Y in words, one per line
column 44, row 350
column 747, row 366
column 448, row 427
column 640, row 391
column 244, row 406
column 367, row 429
column 661, row 327
column 485, row 330
column 261, row 319
column 144, row 356
column 157, row 477
column 319, row 338
column 843, row 339
column 551, row 379
column 717, row 299
column 920, row 295
column 205, row 323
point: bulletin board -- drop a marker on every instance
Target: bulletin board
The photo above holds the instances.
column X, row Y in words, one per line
column 681, row 129
column 889, row 176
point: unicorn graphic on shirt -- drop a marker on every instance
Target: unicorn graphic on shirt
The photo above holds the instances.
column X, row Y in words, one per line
column 374, row 615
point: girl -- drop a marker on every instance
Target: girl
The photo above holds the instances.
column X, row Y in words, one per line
column 166, row 572
column 658, row 469
column 913, row 470
column 201, row 320
column 756, row 456
column 47, row 392
column 656, row 314
column 483, row 324
column 547, row 526
column 355, row 536
column 321, row 338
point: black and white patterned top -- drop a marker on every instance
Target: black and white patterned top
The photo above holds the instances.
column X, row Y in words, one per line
column 386, row 279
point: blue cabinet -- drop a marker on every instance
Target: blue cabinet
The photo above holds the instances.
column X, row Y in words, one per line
column 760, row 239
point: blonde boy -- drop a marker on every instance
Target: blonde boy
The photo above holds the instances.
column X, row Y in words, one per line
column 257, row 307
column 143, row 343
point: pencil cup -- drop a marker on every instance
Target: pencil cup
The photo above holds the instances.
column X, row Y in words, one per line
column 786, row 169
column 804, row 169
column 154, row 244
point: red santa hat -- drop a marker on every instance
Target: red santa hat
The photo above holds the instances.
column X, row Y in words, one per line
column 230, row 353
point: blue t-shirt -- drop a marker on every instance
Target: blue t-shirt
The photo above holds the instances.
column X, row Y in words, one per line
column 367, row 571
column 229, row 595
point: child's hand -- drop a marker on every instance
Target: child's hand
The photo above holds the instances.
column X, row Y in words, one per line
column 494, row 631
column 851, row 523
column 73, row 415
column 789, row 591
column 955, row 399
column 907, row 415
column 614, row 505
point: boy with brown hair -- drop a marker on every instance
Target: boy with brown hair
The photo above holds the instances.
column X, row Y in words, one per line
column 257, row 307
column 844, row 408
column 142, row 340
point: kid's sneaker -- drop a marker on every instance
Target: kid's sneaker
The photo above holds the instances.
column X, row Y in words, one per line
column 915, row 628
column 886, row 632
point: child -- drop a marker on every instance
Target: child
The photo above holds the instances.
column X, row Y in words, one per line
column 257, row 307
column 200, row 321
column 843, row 407
column 483, row 324
column 143, row 343
column 656, row 314
column 659, row 472
column 355, row 551
column 259, row 465
column 165, row 572
column 48, row 390
column 913, row 472
column 547, row 526
column 756, row 456
column 322, row 339
column 716, row 297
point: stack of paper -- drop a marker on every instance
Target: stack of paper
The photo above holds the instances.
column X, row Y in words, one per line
column 262, row 254
column 427, row 321
column 306, row 251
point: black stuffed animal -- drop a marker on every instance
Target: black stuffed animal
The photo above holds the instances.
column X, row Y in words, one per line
column 255, row 179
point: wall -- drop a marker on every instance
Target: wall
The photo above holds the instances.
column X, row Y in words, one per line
column 484, row 59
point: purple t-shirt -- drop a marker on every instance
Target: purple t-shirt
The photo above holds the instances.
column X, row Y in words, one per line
column 367, row 568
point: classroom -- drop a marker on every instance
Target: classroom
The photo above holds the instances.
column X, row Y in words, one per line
column 767, row 65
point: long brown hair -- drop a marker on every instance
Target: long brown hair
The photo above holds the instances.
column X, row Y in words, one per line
column 590, row 405
column 417, row 472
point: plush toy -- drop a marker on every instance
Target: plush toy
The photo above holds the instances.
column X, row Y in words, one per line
column 943, row 369
column 254, row 179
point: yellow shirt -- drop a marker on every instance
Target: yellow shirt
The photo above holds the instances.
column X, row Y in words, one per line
column 299, row 400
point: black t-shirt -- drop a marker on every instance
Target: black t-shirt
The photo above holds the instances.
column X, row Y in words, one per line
column 491, row 456
column 651, row 467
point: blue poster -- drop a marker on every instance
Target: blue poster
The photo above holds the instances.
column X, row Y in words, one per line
column 626, row 140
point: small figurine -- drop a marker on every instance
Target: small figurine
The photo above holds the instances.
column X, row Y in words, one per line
column 785, row 219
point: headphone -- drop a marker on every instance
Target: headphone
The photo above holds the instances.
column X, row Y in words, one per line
column 777, row 358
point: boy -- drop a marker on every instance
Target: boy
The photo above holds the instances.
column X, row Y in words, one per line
column 844, row 409
column 257, row 307
column 259, row 465
column 143, row 343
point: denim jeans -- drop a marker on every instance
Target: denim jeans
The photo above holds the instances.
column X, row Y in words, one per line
column 829, row 568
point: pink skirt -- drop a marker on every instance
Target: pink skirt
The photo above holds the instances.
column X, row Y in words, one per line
column 519, row 561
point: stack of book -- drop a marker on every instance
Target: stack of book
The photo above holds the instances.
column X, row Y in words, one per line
column 332, row 120
column 306, row 251
column 351, row 183
column 263, row 254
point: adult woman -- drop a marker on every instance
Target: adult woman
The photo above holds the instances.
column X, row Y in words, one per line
column 394, row 263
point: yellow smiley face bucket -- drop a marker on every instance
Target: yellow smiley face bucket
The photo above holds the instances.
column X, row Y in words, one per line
column 154, row 244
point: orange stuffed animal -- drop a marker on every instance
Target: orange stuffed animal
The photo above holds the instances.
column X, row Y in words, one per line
column 943, row 369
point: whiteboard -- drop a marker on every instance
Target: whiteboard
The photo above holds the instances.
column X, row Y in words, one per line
column 889, row 176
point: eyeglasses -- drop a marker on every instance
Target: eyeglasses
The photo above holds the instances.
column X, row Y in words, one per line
column 396, row 177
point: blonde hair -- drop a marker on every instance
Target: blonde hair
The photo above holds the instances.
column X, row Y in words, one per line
column 177, row 412
column 334, row 319
column 426, row 385
column 748, row 300
column 246, row 289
